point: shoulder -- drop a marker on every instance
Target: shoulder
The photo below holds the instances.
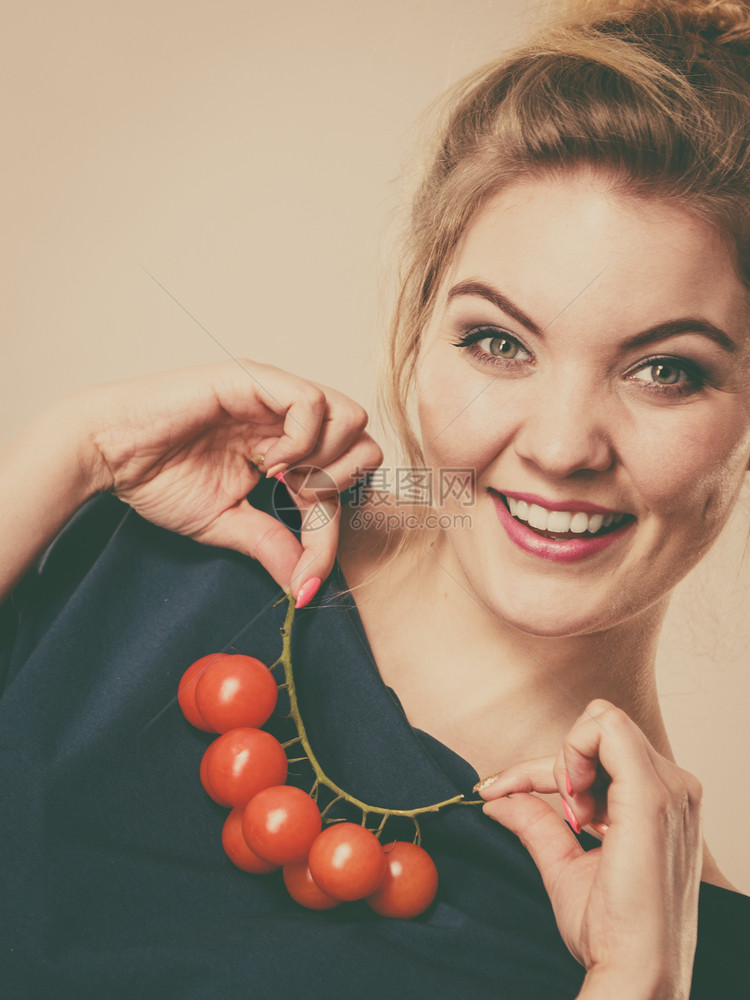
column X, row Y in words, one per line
column 134, row 581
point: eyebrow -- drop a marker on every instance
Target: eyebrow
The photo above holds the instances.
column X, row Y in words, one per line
column 687, row 324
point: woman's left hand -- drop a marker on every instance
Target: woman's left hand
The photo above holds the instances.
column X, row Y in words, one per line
column 627, row 910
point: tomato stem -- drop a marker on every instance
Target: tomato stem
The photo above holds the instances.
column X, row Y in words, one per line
column 331, row 803
column 321, row 778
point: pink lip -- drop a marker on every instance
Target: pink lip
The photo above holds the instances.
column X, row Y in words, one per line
column 555, row 549
column 582, row 505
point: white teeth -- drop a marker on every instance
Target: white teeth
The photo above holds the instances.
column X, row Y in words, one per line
column 579, row 523
column 537, row 517
column 595, row 523
column 560, row 521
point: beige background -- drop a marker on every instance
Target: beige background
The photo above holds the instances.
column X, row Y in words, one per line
column 249, row 156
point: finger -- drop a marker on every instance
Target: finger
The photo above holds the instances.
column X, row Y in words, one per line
column 587, row 802
column 300, row 434
column 248, row 530
column 341, row 434
column 581, row 757
column 309, row 481
column 545, row 835
column 327, row 428
column 344, row 468
column 538, row 775
column 320, row 514
column 609, row 762
column 535, row 775
column 316, row 494
column 320, row 539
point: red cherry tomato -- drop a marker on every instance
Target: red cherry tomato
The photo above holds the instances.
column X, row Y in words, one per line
column 409, row 884
column 186, row 694
column 242, row 763
column 280, row 824
column 303, row 889
column 347, row 861
column 234, row 690
column 204, row 776
column 236, row 847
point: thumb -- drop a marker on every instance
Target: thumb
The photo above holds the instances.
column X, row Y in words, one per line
column 248, row 530
column 545, row 835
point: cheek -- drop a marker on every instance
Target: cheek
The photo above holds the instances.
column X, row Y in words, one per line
column 690, row 466
column 439, row 396
column 462, row 421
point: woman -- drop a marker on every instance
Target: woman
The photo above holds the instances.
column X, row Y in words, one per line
column 572, row 331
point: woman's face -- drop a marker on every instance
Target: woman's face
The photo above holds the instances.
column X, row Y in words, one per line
column 588, row 358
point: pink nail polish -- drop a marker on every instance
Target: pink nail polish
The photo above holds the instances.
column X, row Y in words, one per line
column 571, row 818
column 307, row 591
column 276, row 469
column 280, row 477
column 568, row 786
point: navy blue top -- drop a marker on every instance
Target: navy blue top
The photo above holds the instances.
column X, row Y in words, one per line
column 113, row 879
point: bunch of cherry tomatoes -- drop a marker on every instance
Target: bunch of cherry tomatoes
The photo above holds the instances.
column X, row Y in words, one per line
column 273, row 825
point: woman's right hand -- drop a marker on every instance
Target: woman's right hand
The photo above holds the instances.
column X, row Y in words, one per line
column 185, row 448
column 628, row 909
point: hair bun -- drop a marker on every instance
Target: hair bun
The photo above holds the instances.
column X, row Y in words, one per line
column 716, row 24
column 720, row 17
column 694, row 30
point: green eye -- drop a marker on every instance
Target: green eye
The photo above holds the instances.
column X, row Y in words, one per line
column 490, row 346
column 666, row 374
column 669, row 376
column 503, row 347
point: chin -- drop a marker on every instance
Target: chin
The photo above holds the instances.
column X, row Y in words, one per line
column 553, row 612
column 544, row 605
column 553, row 626
column 565, row 614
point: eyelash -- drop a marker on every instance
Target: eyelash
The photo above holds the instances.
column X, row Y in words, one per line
column 469, row 340
column 695, row 379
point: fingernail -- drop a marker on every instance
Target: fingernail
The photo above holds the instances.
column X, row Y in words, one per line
column 276, row 469
column 307, row 591
column 486, row 782
column 568, row 786
column 571, row 818
column 280, row 477
column 600, row 828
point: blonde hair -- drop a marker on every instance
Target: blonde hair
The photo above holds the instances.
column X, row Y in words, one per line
column 656, row 93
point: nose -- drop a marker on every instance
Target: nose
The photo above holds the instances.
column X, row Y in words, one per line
column 566, row 429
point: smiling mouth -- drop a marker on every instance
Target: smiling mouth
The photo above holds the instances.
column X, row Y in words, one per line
column 564, row 524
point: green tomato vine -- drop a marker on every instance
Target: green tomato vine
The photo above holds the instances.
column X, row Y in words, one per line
column 321, row 778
